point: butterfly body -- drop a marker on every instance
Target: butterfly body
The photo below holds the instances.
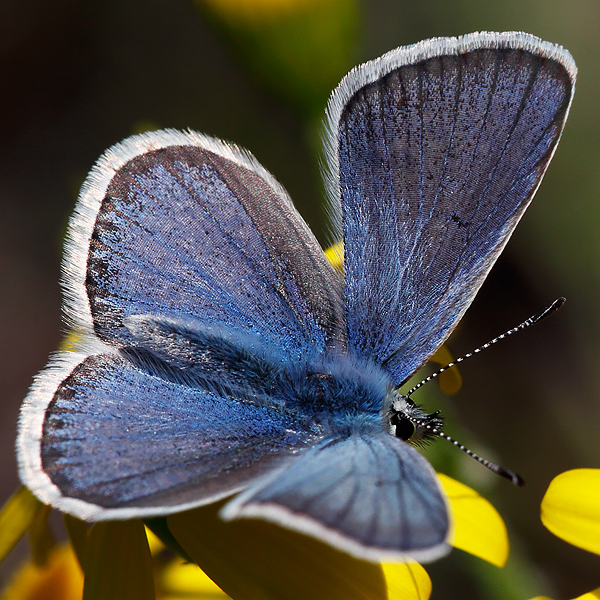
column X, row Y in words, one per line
column 220, row 353
column 329, row 388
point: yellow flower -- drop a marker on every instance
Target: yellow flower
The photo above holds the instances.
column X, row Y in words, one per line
column 479, row 529
column 247, row 558
column 252, row 558
column 253, row 555
column 571, row 511
column 59, row 579
column 594, row 595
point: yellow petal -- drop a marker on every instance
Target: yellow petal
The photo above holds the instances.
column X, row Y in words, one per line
column 118, row 562
column 16, row 517
column 154, row 542
column 451, row 379
column 407, row 582
column 71, row 341
column 335, row 255
column 479, row 529
column 61, row 578
column 571, row 508
column 41, row 537
column 186, row 580
column 593, row 595
column 250, row 559
column 160, row 530
column 78, row 532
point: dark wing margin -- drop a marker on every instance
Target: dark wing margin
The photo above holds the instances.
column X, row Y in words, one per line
column 182, row 225
column 102, row 439
column 436, row 150
column 370, row 495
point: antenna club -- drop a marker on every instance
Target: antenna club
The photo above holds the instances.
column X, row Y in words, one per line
column 506, row 473
column 514, row 477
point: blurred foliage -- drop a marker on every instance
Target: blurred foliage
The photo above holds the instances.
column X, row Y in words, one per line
column 282, row 41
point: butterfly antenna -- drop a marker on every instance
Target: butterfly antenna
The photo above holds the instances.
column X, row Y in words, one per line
column 507, row 473
column 531, row 321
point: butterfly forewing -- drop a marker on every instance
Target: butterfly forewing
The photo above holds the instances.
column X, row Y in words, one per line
column 191, row 230
column 441, row 147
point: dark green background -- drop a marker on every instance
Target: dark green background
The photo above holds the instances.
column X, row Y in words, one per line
column 76, row 77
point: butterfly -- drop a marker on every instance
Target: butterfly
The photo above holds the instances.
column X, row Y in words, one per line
column 220, row 354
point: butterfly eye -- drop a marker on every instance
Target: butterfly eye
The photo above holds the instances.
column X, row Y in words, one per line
column 405, row 428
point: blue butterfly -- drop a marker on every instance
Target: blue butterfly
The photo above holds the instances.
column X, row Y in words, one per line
column 221, row 354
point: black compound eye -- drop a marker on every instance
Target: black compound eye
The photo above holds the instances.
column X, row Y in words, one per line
column 405, row 428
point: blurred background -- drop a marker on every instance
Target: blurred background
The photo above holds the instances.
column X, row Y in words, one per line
column 77, row 77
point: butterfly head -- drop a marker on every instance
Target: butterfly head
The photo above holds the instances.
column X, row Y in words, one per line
column 409, row 422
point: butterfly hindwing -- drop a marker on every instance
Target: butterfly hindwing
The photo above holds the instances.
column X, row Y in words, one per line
column 118, row 441
column 367, row 493
column 439, row 148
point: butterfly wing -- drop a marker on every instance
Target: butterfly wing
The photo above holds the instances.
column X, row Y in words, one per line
column 184, row 228
column 183, row 225
column 368, row 494
column 436, row 151
column 118, row 441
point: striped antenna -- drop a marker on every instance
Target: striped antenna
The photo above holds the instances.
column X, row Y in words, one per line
column 507, row 473
column 531, row 321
